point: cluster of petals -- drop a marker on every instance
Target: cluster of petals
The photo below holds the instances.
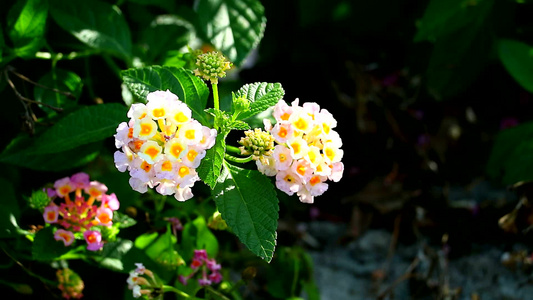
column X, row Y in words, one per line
column 138, row 280
column 308, row 151
column 162, row 145
column 201, row 264
column 73, row 207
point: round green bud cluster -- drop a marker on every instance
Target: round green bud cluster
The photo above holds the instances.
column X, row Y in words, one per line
column 211, row 66
column 257, row 143
column 241, row 104
column 39, row 200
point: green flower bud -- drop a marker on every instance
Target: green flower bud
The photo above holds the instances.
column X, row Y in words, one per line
column 39, row 200
column 216, row 222
column 240, row 104
column 211, row 66
column 257, row 143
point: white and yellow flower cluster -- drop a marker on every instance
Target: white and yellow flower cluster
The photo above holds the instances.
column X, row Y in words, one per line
column 162, row 145
column 308, row 151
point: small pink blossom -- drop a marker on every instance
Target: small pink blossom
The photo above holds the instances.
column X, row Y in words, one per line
column 93, row 239
column 51, row 213
column 65, row 236
column 110, row 201
column 80, row 180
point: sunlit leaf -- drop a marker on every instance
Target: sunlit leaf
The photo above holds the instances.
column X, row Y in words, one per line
column 234, row 27
column 209, row 169
column 189, row 88
column 26, row 26
column 97, row 24
column 247, row 201
column 261, row 95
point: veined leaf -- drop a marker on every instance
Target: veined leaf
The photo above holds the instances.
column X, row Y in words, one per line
column 189, row 88
column 209, row 169
column 234, row 27
column 20, row 153
column 247, row 201
column 262, row 95
column 517, row 58
column 97, row 24
column 84, row 126
column 27, row 29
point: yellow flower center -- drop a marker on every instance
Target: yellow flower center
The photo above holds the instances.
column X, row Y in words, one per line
column 192, row 155
column 181, row 117
column 152, row 152
column 146, row 129
column 146, row 166
column 176, row 150
column 282, row 132
column 190, row 134
column 183, row 171
column 166, row 166
column 158, row 112
column 314, row 180
column 104, row 218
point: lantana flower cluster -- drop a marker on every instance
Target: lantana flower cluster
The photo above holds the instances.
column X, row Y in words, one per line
column 200, row 263
column 162, row 145
column 307, row 151
column 70, row 284
column 141, row 281
column 77, row 212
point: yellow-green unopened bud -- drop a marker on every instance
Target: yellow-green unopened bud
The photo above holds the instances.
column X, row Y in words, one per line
column 257, row 143
column 241, row 104
column 216, row 222
column 212, row 66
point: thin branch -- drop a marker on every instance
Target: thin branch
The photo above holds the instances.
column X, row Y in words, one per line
column 67, row 94
column 22, row 98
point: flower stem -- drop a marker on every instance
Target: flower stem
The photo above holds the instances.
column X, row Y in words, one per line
column 233, row 149
column 215, row 96
column 168, row 288
column 238, row 159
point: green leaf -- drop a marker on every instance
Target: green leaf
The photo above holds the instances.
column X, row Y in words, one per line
column 10, row 210
column 443, row 17
column 189, row 88
column 247, row 201
column 61, row 80
column 20, row 153
column 517, row 58
column 179, row 32
column 45, row 247
column 145, row 240
column 196, row 235
column 112, row 253
column 84, row 126
column 124, row 220
column 97, row 24
column 28, row 27
column 234, row 27
column 261, row 95
column 209, row 169
column 239, row 125
column 510, row 159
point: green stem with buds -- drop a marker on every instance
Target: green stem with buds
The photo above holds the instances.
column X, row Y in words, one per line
column 215, row 96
